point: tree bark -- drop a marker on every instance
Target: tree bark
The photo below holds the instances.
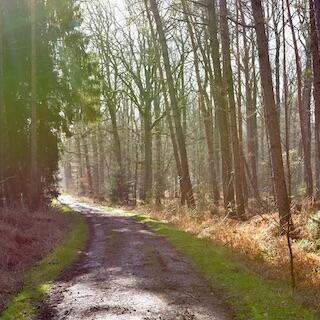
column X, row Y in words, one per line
column 34, row 174
column 271, row 118
column 239, row 102
column 101, row 152
column 254, row 124
column 186, row 181
column 316, row 89
column 146, row 194
column 95, row 165
column 119, row 192
column 80, row 186
column 306, row 101
column 3, row 122
column 250, row 110
column 205, row 112
column 88, row 168
column 316, row 5
column 158, row 156
column 286, row 104
column 228, row 78
column 275, row 21
column 221, row 109
column 302, row 113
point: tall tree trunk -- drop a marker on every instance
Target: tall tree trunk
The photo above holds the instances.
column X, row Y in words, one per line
column 221, row 109
column 34, row 174
column 88, row 167
column 302, row 112
column 306, row 99
column 239, row 103
column 119, row 192
column 316, row 5
column 186, row 181
column 286, row 103
column 271, row 117
column 275, row 20
column 67, row 167
column 250, row 110
column 95, row 164
column 228, row 78
column 102, row 160
column 205, row 112
column 254, row 124
column 172, row 134
column 3, row 123
column 316, row 89
column 146, row 193
column 167, row 105
column 80, row 186
column 158, row 155
column 173, row 141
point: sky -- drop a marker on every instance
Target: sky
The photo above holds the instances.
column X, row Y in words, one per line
column 120, row 8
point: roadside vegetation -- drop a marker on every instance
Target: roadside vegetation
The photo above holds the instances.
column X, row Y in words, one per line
column 247, row 258
column 252, row 294
column 257, row 241
column 37, row 247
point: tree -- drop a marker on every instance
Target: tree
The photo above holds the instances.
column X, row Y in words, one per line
column 221, row 105
column 302, row 112
column 228, row 78
column 34, row 178
column 316, row 90
column 186, row 181
column 205, row 108
column 271, row 117
column 3, row 124
column 36, row 107
column 251, row 117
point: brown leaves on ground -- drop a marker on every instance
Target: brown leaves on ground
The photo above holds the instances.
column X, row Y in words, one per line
column 25, row 238
column 257, row 242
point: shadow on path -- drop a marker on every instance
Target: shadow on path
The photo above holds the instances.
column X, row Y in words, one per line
column 128, row 272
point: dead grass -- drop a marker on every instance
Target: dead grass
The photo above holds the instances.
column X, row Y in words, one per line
column 257, row 243
column 25, row 238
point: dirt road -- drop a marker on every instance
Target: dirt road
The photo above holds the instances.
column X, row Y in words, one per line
column 129, row 273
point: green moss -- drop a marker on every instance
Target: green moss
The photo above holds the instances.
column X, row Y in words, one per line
column 37, row 281
column 251, row 296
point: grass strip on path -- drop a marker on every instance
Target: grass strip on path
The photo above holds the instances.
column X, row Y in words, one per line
column 24, row 306
column 251, row 296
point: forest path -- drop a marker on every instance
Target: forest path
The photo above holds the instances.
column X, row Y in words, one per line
column 128, row 272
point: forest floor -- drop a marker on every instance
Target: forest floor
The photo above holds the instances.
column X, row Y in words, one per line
column 25, row 238
column 129, row 272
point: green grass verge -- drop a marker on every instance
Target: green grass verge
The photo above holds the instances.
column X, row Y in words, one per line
column 251, row 296
column 37, row 281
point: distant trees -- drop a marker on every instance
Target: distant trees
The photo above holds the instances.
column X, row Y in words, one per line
column 194, row 102
column 174, row 99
